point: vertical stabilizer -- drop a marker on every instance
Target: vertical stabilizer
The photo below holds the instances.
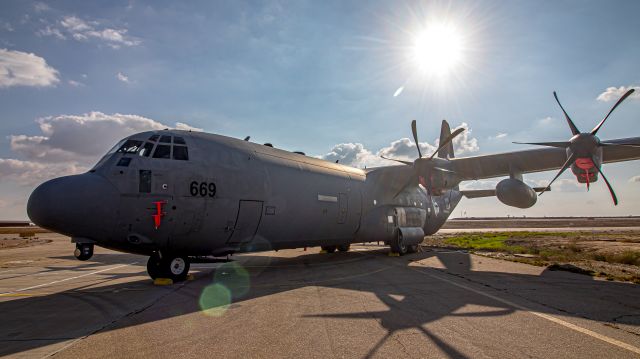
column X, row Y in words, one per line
column 445, row 131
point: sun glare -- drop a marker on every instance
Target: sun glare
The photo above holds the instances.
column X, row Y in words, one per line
column 438, row 49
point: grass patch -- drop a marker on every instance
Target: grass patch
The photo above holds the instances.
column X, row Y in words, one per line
column 626, row 257
column 489, row 241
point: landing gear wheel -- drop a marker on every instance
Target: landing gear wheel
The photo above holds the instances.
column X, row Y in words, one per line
column 344, row 247
column 328, row 249
column 153, row 266
column 175, row 267
column 413, row 248
column 83, row 251
column 398, row 246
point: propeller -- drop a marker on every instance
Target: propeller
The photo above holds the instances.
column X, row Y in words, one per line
column 585, row 147
column 427, row 163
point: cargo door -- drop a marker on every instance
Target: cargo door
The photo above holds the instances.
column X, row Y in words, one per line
column 247, row 221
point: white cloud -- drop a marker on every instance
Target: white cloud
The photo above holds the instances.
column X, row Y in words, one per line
column 29, row 173
column 81, row 138
column 51, row 31
column 614, row 93
column 546, row 121
column 25, row 69
column 75, row 83
column 356, row 155
column 464, row 144
column 82, row 30
column 70, row 144
column 41, row 7
column 6, row 26
column 185, row 127
column 498, row 136
column 122, row 77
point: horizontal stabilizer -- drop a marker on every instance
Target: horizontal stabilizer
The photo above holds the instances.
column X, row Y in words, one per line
column 480, row 193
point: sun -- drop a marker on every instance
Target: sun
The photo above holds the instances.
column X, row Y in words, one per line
column 438, row 49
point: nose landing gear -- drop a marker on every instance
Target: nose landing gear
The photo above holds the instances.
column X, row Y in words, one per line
column 174, row 267
column 83, row 251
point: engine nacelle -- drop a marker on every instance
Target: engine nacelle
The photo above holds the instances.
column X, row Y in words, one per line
column 516, row 193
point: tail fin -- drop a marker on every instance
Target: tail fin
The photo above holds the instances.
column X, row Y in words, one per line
column 445, row 131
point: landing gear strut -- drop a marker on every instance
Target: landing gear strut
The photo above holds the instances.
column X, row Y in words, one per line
column 328, row 249
column 174, row 267
column 83, row 251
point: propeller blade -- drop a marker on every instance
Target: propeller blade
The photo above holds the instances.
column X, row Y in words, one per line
column 415, row 136
column 447, row 140
column 573, row 127
column 548, row 144
column 564, row 168
column 627, row 94
column 613, row 194
column 609, row 144
column 401, row 161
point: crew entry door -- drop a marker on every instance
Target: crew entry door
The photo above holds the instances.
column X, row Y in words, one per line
column 249, row 216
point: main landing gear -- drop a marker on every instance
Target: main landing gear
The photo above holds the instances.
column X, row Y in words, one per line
column 174, row 267
column 83, row 251
column 398, row 246
column 341, row 248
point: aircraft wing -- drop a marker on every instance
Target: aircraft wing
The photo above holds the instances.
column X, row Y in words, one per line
column 535, row 160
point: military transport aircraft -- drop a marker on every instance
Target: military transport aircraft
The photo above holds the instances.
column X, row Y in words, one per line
column 175, row 195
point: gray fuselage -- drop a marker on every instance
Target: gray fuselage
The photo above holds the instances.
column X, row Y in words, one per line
column 232, row 196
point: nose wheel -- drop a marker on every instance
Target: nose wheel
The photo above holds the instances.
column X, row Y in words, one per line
column 174, row 267
column 83, row 251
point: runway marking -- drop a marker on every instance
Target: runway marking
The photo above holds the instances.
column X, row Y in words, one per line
column 548, row 317
column 66, row 279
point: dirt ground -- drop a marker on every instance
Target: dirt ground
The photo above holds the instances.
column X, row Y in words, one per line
column 612, row 254
column 18, row 237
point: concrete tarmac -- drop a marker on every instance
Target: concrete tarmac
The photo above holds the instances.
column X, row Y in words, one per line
column 296, row 303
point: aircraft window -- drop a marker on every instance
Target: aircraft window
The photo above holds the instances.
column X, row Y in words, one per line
column 180, row 153
column 131, row 146
column 116, row 147
column 179, row 141
column 162, row 151
column 165, row 139
column 124, row 162
column 145, row 181
column 153, row 138
column 146, row 150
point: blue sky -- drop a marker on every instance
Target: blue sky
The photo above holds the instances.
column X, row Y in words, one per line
column 317, row 77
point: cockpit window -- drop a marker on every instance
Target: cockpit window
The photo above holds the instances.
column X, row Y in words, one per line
column 146, row 150
column 180, row 153
column 165, row 139
column 179, row 141
column 131, row 146
column 162, row 151
column 153, row 138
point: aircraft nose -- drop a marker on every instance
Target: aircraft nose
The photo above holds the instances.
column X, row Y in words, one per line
column 83, row 205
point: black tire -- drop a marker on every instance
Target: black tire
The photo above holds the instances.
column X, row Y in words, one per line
column 398, row 246
column 153, row 266
column 328, row 249
column 83, row 251
column 344, row 247
column 175, row 267
column 413, row 248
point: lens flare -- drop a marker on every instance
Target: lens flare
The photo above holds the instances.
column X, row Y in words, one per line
column 215, row 300
column 234, row 277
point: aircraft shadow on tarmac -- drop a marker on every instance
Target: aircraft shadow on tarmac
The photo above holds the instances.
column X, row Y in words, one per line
column 30, row 322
